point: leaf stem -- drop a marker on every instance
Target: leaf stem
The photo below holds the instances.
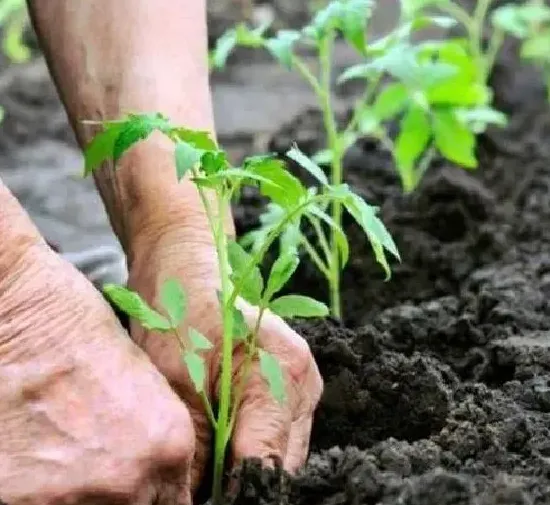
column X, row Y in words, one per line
column 321, row 235
column 476, row 35
column 250, row 352
column 325, row 57
column 363, row 102
column 222, row 433
column 319, row 263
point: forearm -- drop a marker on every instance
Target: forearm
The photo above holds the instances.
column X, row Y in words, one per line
column 109, row 58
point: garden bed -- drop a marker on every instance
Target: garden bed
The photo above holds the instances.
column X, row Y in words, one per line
column 437, row 389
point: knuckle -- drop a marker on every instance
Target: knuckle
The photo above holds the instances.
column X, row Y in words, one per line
column 175, row 444
column 299, row 359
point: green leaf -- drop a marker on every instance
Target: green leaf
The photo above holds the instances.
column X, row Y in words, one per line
column 250, row 37
column 291, row 306
column 174, row 301
column 198, row 341
column 304, row 161
column 240, row 262
column 273, row 374
column 412, row 141
column 478, row 118
column 325, row 21
column 137, row 127
column 101, row 147
column 323, row 157
column 213, row 162
column 282, row 45
column 240, row 328
column 286, row 190
column 411, row 7
column 187, row 158
column 282, row 270
column 453, row 139
column 391, row 101
column 134, row 306
column 223, row 48
column 378, row 235
column 197, row 371
column 199, row 139
column 353, row 22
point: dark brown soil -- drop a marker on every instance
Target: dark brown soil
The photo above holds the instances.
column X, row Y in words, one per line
column 437, row 391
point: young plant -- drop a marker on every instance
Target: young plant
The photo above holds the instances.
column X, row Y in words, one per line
column 434, row 90
column 198, row 158
column 530, row 23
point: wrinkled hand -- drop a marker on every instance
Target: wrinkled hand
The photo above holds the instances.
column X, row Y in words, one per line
column 85, row 416
column 263, row 428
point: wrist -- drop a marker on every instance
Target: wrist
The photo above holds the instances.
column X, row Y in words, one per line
column 153, row 204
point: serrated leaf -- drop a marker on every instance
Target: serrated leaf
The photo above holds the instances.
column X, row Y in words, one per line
column 186, row 157
column 286, row 189
column 137, row 127
column 196, row 369
column 291, row 306
column 282, row 270
column 282, row 45
column 199, row 139
column 135, row 307
column 273, row 374
column 379, row 237
column 304, row 161
column 325, row 20
column 240, row 262
column 353, row 22
column 174, row 301
column 213, row 162
column 412, row 140
column 390, row 102
column 453, row 139
column 101, row 147
column 198, row 341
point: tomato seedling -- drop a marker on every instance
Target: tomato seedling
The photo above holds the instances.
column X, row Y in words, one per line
column 434, row 91
column 530, row 23
column 198, row 158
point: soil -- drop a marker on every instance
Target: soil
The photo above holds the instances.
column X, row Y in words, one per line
column 437, row 388
column 437, row 385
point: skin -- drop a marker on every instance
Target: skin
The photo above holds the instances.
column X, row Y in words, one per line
column 88, row 416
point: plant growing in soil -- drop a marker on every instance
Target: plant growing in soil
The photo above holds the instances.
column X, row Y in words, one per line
column 198, row 157
column 433, row 89
column 530, row 23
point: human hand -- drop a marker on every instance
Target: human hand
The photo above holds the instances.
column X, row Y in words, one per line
column 181, row 247
column 86, row 418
